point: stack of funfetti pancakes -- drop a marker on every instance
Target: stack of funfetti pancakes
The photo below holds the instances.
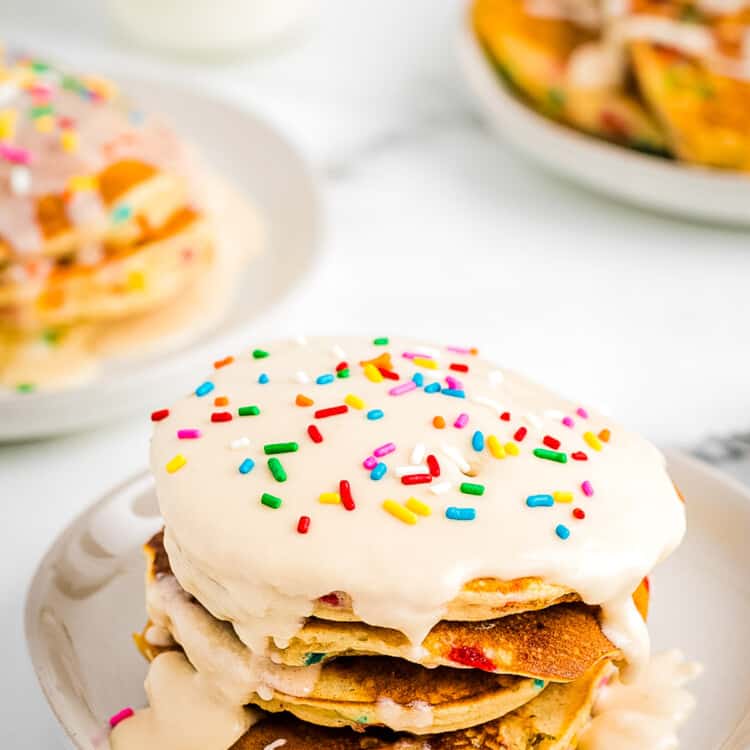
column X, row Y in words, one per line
column 383, row 544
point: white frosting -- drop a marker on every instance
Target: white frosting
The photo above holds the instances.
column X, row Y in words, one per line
column 414, row 717
column 247, row 564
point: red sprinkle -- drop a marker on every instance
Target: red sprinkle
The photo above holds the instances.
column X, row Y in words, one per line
column 314, row 434
column 331, row 411
column 342, row 366
column 458, row 367
column 345, row 492
column 579, row 513
column 120, row 716
column 303, row 525
column 333, row 599
column 157, row 416
column 520, row 434
column 221, row 416
column 551, row 442
column 471, row 656
column 579, row 456
column 416, row 479
column 505, row 416
column 389, row 374
column 433, row 465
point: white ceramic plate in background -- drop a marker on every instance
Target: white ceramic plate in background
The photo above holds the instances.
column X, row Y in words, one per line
column 87, row 598
column 650, row 182
column 259, row 161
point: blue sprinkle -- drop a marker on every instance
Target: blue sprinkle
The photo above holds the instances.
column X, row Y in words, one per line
column 324, row 379
column 562, row 531
column 539, row 684
column 477, row 441
column 454, row 392
column 460, row 514
column 204, row 388
column 432, row 388
column 418, row 378
column 540, row 501
column 379, row 471
column 263, row 378
column 375, row 414
column 247, row 466
column 121, row 213
column 313, row 658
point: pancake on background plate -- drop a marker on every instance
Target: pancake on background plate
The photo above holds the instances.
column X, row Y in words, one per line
column 388, row 544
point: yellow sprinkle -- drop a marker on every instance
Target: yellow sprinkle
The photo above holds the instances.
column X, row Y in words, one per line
column 69, row 141
column 496, row 449
column 418, row 507
column 176, row 463
column 372, row 373
column 513, row 449
column 45, row 123
column 592, row 440
column 563, row 497
column 8, row 118
column 330, row 498
column 354, row 401
column 430, row 364
column 398, row 511
column 136, row 281
column 80, row 182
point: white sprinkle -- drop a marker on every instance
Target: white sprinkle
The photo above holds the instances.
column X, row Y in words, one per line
column 440, row 488
column 276, row 743
column 402, row 471
column 242, row 442
column 496, row 377
column 302, row 377
column 338, row 352
column 455, row 455
column 8, row 92
column 417, row 455
column 484, row 401
column 533, row 420
column 20, row 180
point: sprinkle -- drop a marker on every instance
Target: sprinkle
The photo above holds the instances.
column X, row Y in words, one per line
column 120, row 716
column 302, row 377
column 505, row 416
column 342, row 366
column 314, row 434
column 272, row 449
column 582, row 413
column 248, row 411
column 417, row 454
column 277, row 470
column 568, row 422
column 375, row 414
column 345, row 491
column 303, row 525
column 458, row 367
column 157, row 416
column 331, row 411
column 80, row 182
column 314, row 658
column 20, row 180
column 579, row 514
column 561, row 458
column 372, row 373
column 484, row 401
column 520, row 434
column 384, row 450
column 469, row 488
column 399, row 511
column 389, row 374
column 343, row 373
column 324, row 379
column 247, row 466
column 453, row 384
column 453, row 392
column 381, row 341
column 270, row 500
column 418, row 507
column 477, row 441
column 221, row 401
column 379, row 471
column 259, row 354
column 579, row 456
column 438, row 422
column 440, row 488
column 593, row 441
column 461, row 420
column 221, row 416
column 422, row 361
column 418, row 378
column 263, row 378
column 241, row 442
column 329, row 498
column 512, row 449
column 204, row 388
column 15, row 155
column 496, row 449
column 410, row 479
column 354, row 401
column 587, row 489
column 460, row 514
column 399, row 390
column 551, row 442
column 562, row 531
column 176, row 463
column 303, row 400
column 605, row 435
column 433, row 465
column 432, row 388
column 188, row 434
column 539, row 684
column 402, row 471
column 370, row 463
column 540, row 501
column 121, row 213
column 563, row 497
column 456, row 457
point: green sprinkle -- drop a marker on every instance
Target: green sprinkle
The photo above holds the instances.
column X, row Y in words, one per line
column 381, row 341
column 259, row 354
column 556, row 98
column 271, row 449
column 363, row 720
column 51, row 336
column 39, row 67
column 277, row 469
column 25, row 387
column 40, row 111
column 270, row 500
column 539, row 684
column 468, row 488
column 313, row 658
column 248, row 411
column 343, row 373
column 561, row 458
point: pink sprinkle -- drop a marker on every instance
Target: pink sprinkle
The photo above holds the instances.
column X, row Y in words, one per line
column 568, row 422
column 384, row 450
column 188, row 434
column 582, row 413
column 14, row 154
column 126, row 713
column 370, row 463
column 459, row 349
column 456, row 385
column 461, row 421
column 588, row 490
column 412, row 355
column 409, row 385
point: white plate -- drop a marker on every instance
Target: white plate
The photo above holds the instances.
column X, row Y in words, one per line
column 87, row 598
column 259, row 161
column 648, row 181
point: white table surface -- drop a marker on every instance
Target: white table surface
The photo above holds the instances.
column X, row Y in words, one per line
column 434, row 229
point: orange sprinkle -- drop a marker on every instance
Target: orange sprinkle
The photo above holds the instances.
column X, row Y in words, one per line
column 438, row 422
column 221, row 401
column 605, row 435
column 223, row 362
column 474, row 350
column 303, row 400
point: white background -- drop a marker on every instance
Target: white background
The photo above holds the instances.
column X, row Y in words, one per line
column 434, row 229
